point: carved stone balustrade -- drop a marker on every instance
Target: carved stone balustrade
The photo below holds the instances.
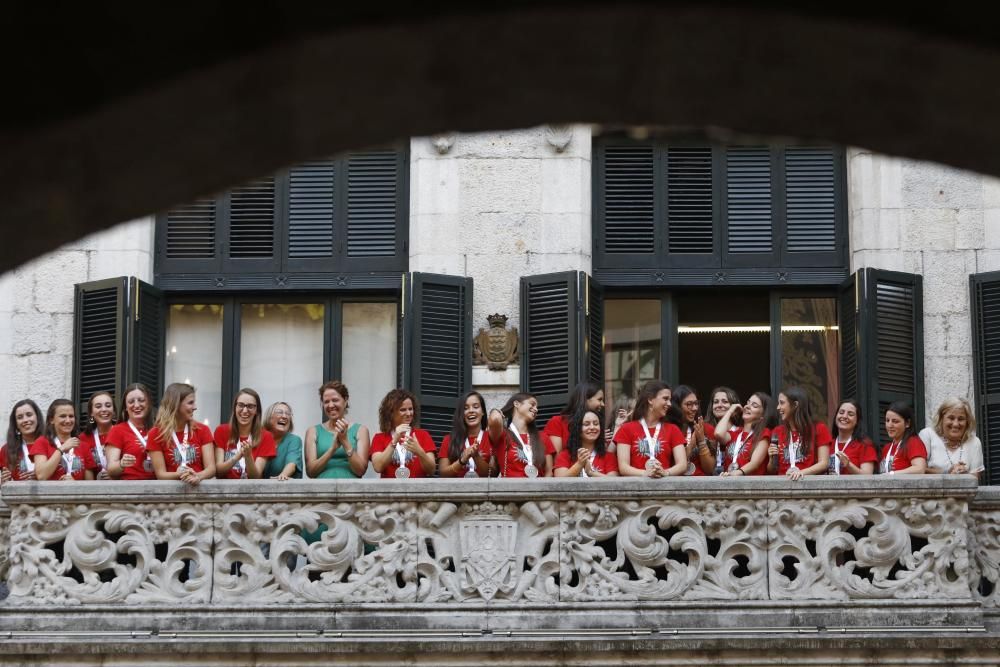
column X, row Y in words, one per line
column 502, row 555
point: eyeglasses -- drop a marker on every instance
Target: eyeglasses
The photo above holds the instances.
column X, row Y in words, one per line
column 282, row 413
column 249, row 407
column 690, row 404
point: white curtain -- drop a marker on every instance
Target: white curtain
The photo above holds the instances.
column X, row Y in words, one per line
column 194, row 354
column 369, row 358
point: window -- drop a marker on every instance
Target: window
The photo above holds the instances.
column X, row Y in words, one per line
column 985, row 289
column 696, row 213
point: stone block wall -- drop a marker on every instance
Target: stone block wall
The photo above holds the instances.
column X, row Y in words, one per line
column 933, row 220
column 36, row 309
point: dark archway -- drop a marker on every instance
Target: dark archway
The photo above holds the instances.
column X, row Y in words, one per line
column 113, row 115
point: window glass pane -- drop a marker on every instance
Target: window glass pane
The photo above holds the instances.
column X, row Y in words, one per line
column 631, row 348
column 810, row 351
column 194, row 354
column 369, row 357
column 281, row 356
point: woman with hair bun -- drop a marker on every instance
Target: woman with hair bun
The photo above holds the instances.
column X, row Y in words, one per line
column 180, row 447
column 336, row 448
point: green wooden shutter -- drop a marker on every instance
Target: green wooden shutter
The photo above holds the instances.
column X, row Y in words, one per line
column 311, row 210
column 148, row 324
column 749, row 210
column 187, row 238
column 376, row 211
column 690, row 201
column 985, row 288
column 100, row 323
column 889, row 343
column 592, row 328
column 438, row 331
column 626, row 204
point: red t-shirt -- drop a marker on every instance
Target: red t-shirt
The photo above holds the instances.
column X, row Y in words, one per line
column 745, row 452
column 75, row 461
column 382, row 441
column 266, row 448
column 858, row 451
column 21, row 471
column 123, row 438
column 485, row 446
column 695, row 459
column 91, row 452
column 821, row 438
column 902, row 457
column 606, row 464
column 557, row 428
column 631, row 433
column 512, row 458
column 200, row 436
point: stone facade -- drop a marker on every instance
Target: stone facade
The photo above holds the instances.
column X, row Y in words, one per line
column 535, row 185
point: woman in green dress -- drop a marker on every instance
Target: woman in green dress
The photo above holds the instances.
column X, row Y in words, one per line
column 336, row 449
column 288, row 463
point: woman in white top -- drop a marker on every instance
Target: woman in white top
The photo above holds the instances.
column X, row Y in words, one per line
column 952, row 445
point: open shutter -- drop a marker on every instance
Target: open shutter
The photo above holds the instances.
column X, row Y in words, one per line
column 438, row 331
column 147, row 329
column 889, row 343
column 625, row 189
column 100, row 322
column 986, row 353
column 562, row 322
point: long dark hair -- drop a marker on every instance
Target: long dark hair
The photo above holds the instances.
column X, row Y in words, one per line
column 91, row 422
column 730, row 394
column 646, row 394
column 50, row 429
column 859, row 433
column 537, row 451
column 578, row 398
column 575, row 426
column 256, row 424
column 458, row 431
column 14, row 438
column 801, row 420
column 767, row 420
column 676, row 414
column 904, row 410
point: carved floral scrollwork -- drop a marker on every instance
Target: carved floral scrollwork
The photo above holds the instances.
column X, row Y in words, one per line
column 366, row 553
column 488, row 551
column 72, row 554
column 4, row 546
column 876, row 549
column 684, row 550
column 984, row 556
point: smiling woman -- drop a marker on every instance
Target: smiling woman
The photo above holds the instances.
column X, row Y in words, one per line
column 952, row 445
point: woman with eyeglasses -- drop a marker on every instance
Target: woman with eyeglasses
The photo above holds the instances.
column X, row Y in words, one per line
column 243, row 447
column 336, row 448
column 128, row 440
column 287, row 463
column 699, row 436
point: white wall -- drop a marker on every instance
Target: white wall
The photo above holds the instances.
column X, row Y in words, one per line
column 942, row 223
column 36, row 309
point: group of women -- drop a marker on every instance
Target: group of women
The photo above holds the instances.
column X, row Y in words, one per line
column 663, row 434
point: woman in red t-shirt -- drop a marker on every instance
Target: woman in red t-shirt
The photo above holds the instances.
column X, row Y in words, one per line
column 127, row 441
column 521, row 451
column 466, row 451
column 742, row 433
column 853, row 452
column 180, row 447
column 799, row 446
column 648, row 445
column 242, row 447
column 699, row 436
column 906, row 453
column 400, row 449
column 57, row 454
column 101, row 409
column 585, row 396
column 24, row 427
column 586, row 454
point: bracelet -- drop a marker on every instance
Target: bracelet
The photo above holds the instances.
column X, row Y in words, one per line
column 742, row 471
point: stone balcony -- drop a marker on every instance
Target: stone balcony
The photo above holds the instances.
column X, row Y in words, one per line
column 456, row 571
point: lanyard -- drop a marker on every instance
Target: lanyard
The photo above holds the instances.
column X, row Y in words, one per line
column 183, row 449
column 471, row 463
column 793, row 449
column 837, row 449
column 593, row 457
column 140, row 438
column 524, row 446
column 401, row 454
column 738, row 446
column 67, row 458
column 653, row 439
column 241, row 464
column 29, row 465
column 99, row 449
column 889, row 462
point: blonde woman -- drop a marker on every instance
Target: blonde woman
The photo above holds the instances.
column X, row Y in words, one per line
column 952, row 445
column 180, row 447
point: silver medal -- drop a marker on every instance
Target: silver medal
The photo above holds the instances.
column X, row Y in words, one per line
column 471, row 473
column 793, row 469
column 690, row 469
column 530, row 470
column 733, row 467
column 402, row 472
column 650, row 464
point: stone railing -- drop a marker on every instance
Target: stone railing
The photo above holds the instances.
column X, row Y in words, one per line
column 435, row 553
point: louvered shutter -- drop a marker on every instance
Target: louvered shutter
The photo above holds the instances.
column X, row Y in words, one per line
column 561, row 338
column 690, row 205
column 848, row 304
column 438, row 331
column 985, row 289
column 100, row 322
column 815, row 215
column 749, row 210
column 890, row 343
column 250, row 215
column 187, row 238
column 375, row 209
column 312, row 215
column 147, row 315
column 626, row 211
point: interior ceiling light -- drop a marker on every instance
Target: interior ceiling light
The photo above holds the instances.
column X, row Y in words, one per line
column 755, row 328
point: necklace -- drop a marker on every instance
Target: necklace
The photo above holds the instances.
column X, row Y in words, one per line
column 961, row 454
